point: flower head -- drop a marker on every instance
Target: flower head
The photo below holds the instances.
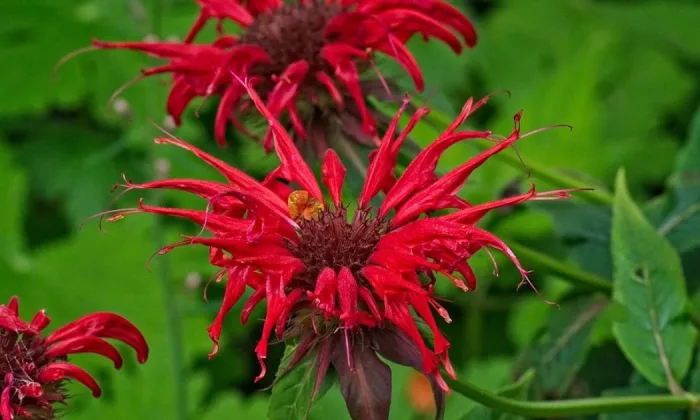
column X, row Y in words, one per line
column 306, row 56
column 33, row 368
column 343, row 285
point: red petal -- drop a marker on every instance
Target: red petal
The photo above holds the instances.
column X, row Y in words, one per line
column 219, row 9
column 5, row 399
column 40, row 321
column 412, row 21
column 289, row 303
column 347, row 73
column 438, row 9
column 347, row 294
column 255, row 298
column 181, row 94
column 393, row 47
column 333, row 174
column 228, row 102
column 369, row 301
column 420, row 173
column 10, row 321
column 385, row 281
column 287, row 86
column 325, row 291
column 13, row 305
column 168, row 50
column 473, row 214
column 104, row 325
column 233, row 175
column 448, row 185
column 275, row 297
column 327, row 81
column 382, row 164
column 297, row 124
column 58, row 371
column 235, row 286
column 293, row 167
column 85, row 344
column 211, row 221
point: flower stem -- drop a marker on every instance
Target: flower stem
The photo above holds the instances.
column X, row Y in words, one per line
column 577, row 276
column 575, row 407
column 565, row 271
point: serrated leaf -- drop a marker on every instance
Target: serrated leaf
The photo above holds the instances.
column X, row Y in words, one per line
column 292, row 393
column 655, row 335
column 560, row 352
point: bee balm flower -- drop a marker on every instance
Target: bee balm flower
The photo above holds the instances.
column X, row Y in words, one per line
column 307, row 57
column 33, row 368
column 343, row 284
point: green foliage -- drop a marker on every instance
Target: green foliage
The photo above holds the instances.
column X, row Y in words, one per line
column 562, row 348
column 655, row 334
column 624, row 74
column 292, row 394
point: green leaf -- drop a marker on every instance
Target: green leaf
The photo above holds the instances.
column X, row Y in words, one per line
column 585, row 230
column 562, row 348
column 688, row 162
column 656, row 335
column 682, row 223
column 292, row 393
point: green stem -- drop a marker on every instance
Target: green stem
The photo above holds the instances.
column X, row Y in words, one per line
column 172, row 309
column 551, row 176
column 576, row 407
column 565, row 271
column 578, row 277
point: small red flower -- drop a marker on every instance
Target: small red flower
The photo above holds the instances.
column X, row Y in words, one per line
column 345, row 286
column 313, row 49
column 33, row 368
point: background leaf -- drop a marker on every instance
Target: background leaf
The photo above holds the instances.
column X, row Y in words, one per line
column 291, row 396
column 656, row 335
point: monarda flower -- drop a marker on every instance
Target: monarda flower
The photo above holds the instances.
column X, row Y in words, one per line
column 34, row 368
column 307, row 57
column 346, row 286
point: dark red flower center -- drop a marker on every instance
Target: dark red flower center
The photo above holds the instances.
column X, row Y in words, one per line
column 22, row 358
column 291, row 33
column 331, row 240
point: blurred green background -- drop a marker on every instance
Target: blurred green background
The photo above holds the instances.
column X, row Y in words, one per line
column 624, row 74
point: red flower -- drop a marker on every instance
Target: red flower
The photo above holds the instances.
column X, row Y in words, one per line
column 313, row 49
column 344, row 287
column 33, row 368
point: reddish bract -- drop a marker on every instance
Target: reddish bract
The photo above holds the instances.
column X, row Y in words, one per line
column 33, row 367
column 301, row 53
